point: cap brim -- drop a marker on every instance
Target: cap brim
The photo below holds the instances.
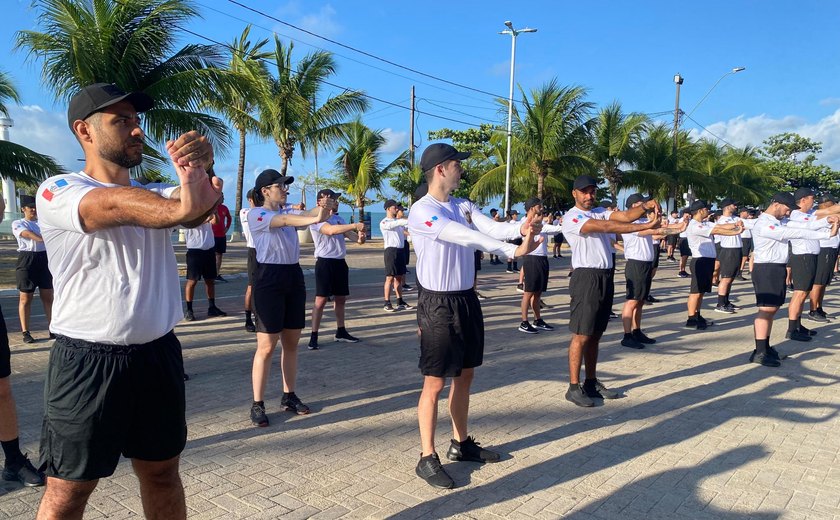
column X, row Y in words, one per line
column 460, row 156
column 140, row 101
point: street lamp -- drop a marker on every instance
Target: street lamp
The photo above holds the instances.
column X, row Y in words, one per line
column 513, row 34
column 733, row 71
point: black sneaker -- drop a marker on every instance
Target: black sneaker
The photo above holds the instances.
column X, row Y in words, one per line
column 258, row 416
column 527, row 328
column 189, row 316
column 541, row 325
column 520, row 288
column 576, row 395
column 291, row 403
column 27, row 337
column 52, row 336
column 430, row 469
column 732, row 306
column 342, row 336
column 772, row 352
column 632, row 342
column 741, row 277
column 816, row 316
column 389, row 308
column 765, row 359
column 810, row 332
column 798, row 335
column 24, row 472
column 313, row 344
column 509, row 271
column 691, row 323
column 641, row 337
column 790, row 288
column 724, row 309
column 544, row 305
column 406, row 287
column 703, row 323
column 250, row 327
column 822, row 313
column 220, row 279
column 613, row 315
column 597, row 390
column 651, row 299
column 469, row 450
column 480, row 296
column 683, row 274
column 215, row 312
column 403, row 305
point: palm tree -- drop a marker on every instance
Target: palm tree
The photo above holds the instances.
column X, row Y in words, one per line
column 238, row 105
column 18, row 162
column 552, row 130
column 131, row 43
column 727, row 172
column 615, row 138
column 359, row 162
column 288, row 109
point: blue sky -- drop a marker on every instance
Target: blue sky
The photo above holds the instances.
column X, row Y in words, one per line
column 626, row 51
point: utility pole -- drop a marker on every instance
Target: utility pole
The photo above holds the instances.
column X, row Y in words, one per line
column 678, row 80
column 411, row 131
column 9, row 191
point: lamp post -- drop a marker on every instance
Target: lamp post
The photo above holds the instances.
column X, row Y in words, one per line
column 513, row 34
column 733, row 71
column 678, row 80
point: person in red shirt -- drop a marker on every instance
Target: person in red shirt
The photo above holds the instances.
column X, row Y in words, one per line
column 220, row 229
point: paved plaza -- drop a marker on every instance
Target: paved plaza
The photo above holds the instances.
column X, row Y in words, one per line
column 700, row 433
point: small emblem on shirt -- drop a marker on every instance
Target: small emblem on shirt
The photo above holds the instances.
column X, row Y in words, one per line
column 54, row 188
column 429, row 223
column 772, row 227
column 260, row 218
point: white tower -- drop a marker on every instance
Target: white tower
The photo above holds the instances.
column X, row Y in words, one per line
column 9, row 192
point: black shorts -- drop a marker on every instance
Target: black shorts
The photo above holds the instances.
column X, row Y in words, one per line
column 252, row 265
column 701, row 274
column 684, row 249
column 639, row 275
column 451, row 332
column 746, row 246
column 558, row 238
column 406, row 253
column 536, row 273
column 730, row 261
column 32, row 271
column 201, row 263
column 657, row 250
column 279, row 297
column 102, row 401
column 477, row 257
column 803, row 269
column 769, row 284
column 5, row 351
column 591, row 292
column 220, row 245
column 394, row 261
column 826, row 261
column 672, row 240
column 331, row 277
column 717, row 251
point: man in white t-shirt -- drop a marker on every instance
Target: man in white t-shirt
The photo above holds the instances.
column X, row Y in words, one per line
column 332, row 276
column 114, row 384
column 588, row 230
column 747, row 217
column 393, row 237
column 32, row 271
column 826, row 261
column 535, row 272
column 201, row 264
column 729, row 256
column 451, row 325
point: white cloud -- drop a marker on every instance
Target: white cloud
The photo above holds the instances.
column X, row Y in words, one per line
column 501, row 68
column 742, row 131
column 830, row 101
column 395, row 141
column 46, row 133
column 323, row 22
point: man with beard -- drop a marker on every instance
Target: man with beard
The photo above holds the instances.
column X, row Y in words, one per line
column 114, row 384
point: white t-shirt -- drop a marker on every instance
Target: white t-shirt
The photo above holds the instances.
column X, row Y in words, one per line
column 771, row 237
column 638, row 247
column 592, row 250
column 393, row 231
column 118, row 285
column 547, row 229
column 200, row 237
column 329, row 246
column 729, row 241
column 27, row 244
column 277, row 245
column 447, row 266
column 748, row 225
column 699, row 235
column 801, row 246
column 243, row 220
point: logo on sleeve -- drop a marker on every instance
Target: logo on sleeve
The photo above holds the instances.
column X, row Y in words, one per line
column 260, row 218
column 575, row 219
column 50, row 192
column 772, row 227
column 432, row 221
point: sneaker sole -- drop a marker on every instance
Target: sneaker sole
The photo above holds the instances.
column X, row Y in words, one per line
column 297, row 412
column 528, row 331
column 344, row 340
column 545, row 328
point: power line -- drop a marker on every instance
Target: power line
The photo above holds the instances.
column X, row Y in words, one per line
column 364, row 53
column 451, row 109
column 711, row 133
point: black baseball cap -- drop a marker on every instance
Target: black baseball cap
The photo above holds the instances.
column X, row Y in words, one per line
column 512, row 212
column 94, row 98
column 533, row 201
column 583, row 181
column 785, row 198
column 494, row 211
column 728, row 201
column 438, row 153
column 389, row 203
column 328, row 193
column 606, row 203
column 697, row 205
column 827, row 197
column 269, row 177
column 634, row 198
column 27, row 201
column 801, row 193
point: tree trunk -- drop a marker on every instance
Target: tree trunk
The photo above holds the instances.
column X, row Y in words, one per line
column 614, row 193
column 360, row 202
column 240, row 178
column 541, row 175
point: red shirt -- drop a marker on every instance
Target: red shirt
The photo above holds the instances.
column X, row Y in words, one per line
column 223, row 221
